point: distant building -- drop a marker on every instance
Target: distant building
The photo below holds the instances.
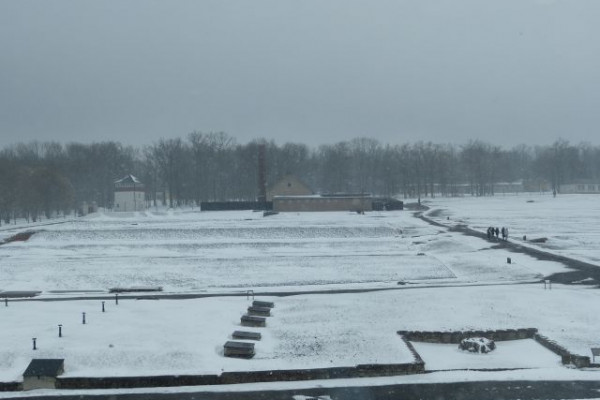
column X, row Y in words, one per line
column 86, row 208
column 289, row 185
column 580, row 187
column 129, row 194
column 42, row 373
column 329, row 202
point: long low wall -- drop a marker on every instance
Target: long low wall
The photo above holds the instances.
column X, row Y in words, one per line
column 456, row 336
column 11, row 386
column 566, row 356
column 359, row 371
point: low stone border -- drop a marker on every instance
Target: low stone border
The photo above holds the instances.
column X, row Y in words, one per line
column 411, row 348
column 118, row 382
column 456, row 336
column 566, row 356
column 11, row 386
column 359, row 371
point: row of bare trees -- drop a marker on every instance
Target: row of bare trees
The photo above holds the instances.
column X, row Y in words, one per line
column 45, row 179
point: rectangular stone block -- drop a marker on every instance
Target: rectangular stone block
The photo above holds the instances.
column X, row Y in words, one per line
column 257, row 303
column 239, row 349
column 251, row 320
column 260, row 311
column 245, row 335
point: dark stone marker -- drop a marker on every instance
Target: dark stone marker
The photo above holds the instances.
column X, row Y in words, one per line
column 446, row 337
column 257, row 303
column 245, row 335
column 521, row 333
column 456, row 337
column 250, row 320
column 260, row 311
column 239, row 349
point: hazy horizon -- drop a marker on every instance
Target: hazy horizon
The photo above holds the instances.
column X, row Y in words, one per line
column 506, row 72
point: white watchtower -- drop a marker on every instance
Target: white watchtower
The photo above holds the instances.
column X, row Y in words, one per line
column 129, row 194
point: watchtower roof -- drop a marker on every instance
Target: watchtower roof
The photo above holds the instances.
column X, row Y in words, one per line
column 128, row 179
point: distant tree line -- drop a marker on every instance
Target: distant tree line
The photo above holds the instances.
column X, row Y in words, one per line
column 46, row 179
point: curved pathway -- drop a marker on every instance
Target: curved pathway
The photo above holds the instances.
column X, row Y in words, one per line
column 581, row 269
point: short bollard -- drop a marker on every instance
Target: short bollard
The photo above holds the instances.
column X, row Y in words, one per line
column 34, row 344
column 59, row 330
column 83, row 318
column 117, row 298
column 102, row 306
column 508, row 260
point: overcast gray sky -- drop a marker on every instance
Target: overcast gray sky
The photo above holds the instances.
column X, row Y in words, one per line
column 311, row 71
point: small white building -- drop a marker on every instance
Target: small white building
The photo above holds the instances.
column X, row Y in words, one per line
column 130, row 194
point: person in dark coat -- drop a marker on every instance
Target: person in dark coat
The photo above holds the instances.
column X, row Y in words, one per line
column 497, row 232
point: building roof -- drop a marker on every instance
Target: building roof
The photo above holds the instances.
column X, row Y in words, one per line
column 365, row 196
column 45, row 367
column 128, row 179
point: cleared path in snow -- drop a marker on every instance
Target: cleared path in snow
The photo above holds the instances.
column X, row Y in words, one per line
column 582, row 270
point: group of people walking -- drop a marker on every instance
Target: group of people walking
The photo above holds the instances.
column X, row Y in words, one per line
column 493, row 233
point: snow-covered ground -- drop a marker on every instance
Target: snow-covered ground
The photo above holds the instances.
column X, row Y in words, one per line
column 193, row 251
column 569, row 222
column 452, row 282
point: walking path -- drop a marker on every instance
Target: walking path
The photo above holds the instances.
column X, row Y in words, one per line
column 581, row 269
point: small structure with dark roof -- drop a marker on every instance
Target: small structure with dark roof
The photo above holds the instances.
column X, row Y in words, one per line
column 42, row 372
column 129, row 194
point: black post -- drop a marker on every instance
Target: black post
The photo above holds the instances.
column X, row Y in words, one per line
column 59, row 330
column 6, row 302
column 102, row 306
column 117, row 298
column 83, row 320
column 34, row 346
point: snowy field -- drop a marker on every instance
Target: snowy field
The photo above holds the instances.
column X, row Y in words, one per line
column 450, row 282
column 570, row 222
column 306, row 331
column 193, row 251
